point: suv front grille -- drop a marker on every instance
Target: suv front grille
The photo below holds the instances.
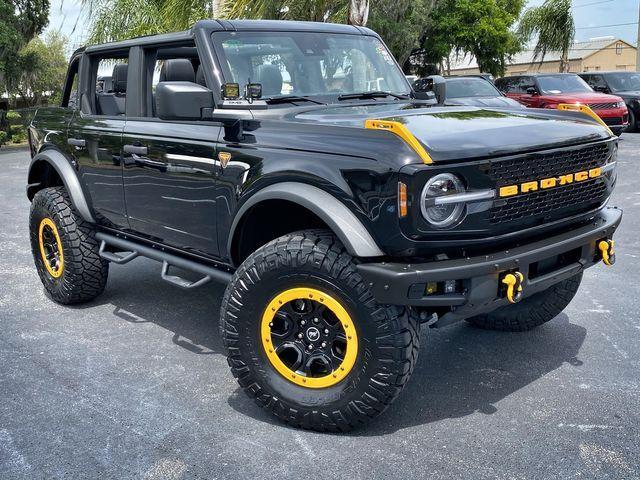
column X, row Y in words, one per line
column 548, row 204
column 603, row 106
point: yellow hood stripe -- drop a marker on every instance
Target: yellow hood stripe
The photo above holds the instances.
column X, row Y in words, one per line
column 403, row 132
column 586, row 109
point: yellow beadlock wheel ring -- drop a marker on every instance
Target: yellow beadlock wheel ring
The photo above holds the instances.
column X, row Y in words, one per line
column 51, row 247
column 309, row 337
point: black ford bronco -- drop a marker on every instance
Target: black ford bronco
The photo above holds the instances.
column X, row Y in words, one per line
column 294, row 162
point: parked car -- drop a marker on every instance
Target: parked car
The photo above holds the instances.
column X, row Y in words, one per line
column 550, row 89
column 623, row 84
column 476, row 91
column 339, row 216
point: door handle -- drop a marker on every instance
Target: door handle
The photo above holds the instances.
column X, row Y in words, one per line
column 77, row 142
column 136, row 149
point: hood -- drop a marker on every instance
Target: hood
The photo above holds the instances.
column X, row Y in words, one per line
column 629, row 93
column 585, row 97
column 494, row 102
column 453, row 133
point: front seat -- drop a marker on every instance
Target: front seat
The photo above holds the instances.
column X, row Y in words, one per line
column 271, row 79
column 177, row 70
column 113, row 103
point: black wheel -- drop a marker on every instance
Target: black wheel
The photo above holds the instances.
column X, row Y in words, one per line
column 532, row 311
column 632, row 122
column 64, row 249
column 306, row 339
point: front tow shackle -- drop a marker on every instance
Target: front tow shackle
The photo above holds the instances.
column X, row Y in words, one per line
column 606, row 251
column 511, row 283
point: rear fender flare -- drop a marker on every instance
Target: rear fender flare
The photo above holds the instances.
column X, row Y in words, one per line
column 342, row 221
column 69, row 178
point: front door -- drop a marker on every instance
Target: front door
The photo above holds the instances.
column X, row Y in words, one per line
column 170, row 171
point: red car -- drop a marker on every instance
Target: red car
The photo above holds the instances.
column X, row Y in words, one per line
column 545, row 90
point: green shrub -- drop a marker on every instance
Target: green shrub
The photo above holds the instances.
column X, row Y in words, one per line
column 4, row 136
column 19, row 137
column 14, row 118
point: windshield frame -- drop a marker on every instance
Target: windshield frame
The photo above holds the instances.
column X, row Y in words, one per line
column 461, row 79
column 588, row 89
column 328, row 97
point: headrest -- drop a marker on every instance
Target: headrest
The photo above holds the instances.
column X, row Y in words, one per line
column 119, row 78
column 107, row 84
column 177, row 70
column 200, row 76
column 271, row 79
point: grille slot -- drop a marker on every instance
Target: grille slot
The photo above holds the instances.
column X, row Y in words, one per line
column 548, row 204
column 603, row 106
column 587, row 195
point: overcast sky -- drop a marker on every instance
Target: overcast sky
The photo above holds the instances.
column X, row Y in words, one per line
column 590, row 16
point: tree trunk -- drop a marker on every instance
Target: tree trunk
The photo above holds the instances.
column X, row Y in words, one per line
column 564, row 61
column 358, row 12
column 216, row 8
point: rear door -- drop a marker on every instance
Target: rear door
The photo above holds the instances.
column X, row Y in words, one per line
column 170, row 167
column 95, row 137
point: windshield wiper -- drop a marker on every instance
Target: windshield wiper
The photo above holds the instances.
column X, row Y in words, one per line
column 291, row 98
column 373, row 94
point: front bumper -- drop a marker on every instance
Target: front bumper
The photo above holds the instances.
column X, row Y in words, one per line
column 478, row 277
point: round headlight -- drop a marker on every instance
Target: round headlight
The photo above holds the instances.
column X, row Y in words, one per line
column 441, row 214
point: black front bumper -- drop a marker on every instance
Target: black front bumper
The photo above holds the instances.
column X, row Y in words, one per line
column 404, row 284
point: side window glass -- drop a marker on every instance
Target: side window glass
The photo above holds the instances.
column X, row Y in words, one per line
column 70, row 94
column 111, row 86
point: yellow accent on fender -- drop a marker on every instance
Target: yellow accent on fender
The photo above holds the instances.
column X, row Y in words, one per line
column 343, row 317
column 576, row 107
column 47, row 222
column 403, row 132
column 606, row 249
column 513, row 281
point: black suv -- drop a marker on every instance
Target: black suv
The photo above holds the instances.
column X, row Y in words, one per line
column 626, row 85
column 294, row 162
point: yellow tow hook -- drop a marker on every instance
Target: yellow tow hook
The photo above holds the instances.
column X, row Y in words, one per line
column 606, row 250
column 513, row 282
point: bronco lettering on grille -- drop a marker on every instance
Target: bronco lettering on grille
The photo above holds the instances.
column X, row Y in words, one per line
column 545, row 183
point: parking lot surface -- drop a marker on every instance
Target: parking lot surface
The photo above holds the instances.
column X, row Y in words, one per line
column 135, row 384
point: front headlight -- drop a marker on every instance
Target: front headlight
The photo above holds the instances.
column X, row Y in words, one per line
column 621, row 104
column 437, row 213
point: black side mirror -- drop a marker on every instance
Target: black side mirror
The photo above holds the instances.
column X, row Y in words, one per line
column 426, row 88
column 601, row 89
column 531, row 91
column 182, row 100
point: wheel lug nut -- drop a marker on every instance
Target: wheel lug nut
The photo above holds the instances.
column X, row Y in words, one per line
column 323, row 344
column 303, row 322
column 326, row 331
column 315, row 320
column 299, row 335
column 270, row 324
column 310, row 347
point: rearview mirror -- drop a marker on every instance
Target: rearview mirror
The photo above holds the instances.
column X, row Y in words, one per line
column 182, row 100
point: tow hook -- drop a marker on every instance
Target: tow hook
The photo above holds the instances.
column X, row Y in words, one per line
column 513, row 283
column 606, row 250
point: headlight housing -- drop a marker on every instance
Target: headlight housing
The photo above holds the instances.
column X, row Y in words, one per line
column 621, row 104
column 437, row 213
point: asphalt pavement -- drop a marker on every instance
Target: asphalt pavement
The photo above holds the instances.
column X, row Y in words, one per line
column 135, row 383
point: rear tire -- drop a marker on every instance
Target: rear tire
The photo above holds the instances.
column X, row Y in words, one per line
column 532, row 311
column 632, row 122
column 384, row 347
column 64, row 249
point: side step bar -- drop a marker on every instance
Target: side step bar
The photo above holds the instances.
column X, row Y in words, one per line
column 132, row 250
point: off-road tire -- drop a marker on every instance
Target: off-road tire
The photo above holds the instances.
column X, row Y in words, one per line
column 388, row 338
column 84, row 275
column 533, row 311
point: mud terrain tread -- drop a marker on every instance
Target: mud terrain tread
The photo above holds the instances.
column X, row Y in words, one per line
column 397, row 333
column 85, row 272
column 533, row 311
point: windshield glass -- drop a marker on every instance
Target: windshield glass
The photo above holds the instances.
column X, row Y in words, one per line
column 308, row 63
column 563, row 84
column 470, row 87
column 619, row 82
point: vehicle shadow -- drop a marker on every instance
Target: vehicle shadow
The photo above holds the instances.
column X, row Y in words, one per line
column 461, row 369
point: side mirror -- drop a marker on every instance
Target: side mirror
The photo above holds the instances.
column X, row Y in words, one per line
column 532, row 91
column 182, row 100
column 426, row 88
column 601, row 89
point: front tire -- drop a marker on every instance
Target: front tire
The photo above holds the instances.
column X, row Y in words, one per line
column 64, row 249
column 306, row 339
column 532, row 311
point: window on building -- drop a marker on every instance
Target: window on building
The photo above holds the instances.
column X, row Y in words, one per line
column 619, row 48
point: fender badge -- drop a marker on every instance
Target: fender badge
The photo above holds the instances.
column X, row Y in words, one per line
column 224, row 158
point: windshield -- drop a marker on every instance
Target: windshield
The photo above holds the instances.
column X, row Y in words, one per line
column 470, row 87
column 563, row 84
column 619, row 82
column 308, row 63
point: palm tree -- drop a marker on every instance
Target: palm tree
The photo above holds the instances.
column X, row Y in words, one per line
column 552, row 23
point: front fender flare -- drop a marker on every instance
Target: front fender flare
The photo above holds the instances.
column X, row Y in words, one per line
column 69, row 178
column 342, row 221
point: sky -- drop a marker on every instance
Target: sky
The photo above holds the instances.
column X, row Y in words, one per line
column 594, row 18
